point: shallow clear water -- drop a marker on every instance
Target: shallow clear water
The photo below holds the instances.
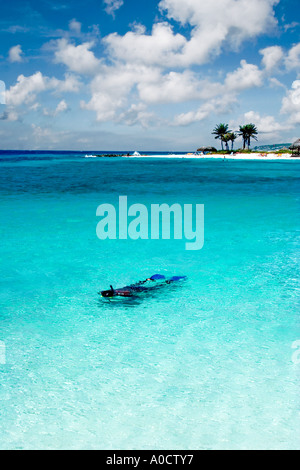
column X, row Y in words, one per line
column 204, row 364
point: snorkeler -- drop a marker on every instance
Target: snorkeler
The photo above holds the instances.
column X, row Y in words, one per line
column 141, row 286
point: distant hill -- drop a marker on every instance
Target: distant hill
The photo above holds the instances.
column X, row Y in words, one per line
column 270, row 148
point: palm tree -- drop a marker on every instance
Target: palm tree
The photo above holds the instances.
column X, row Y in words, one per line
column 220, row 131
column 248, row 132
column 227, row 138
column 243, row 134
column 233, row 137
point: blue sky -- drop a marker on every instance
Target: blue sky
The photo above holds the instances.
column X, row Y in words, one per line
column 152, row 75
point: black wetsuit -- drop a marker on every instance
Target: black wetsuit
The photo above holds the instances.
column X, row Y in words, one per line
column 149, row 284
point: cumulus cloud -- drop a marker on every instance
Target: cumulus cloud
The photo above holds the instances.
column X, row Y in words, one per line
column 292, row 60
column 274, row 82
column 173, row 87
column 220, row 98
column 217, row 22
column 111, row 6
column 9, row 115
column 272, row 56
column 265, row 124
column 212, row 24
column 110, row 90
column 145, row 68
column 75, row 26
column 25, row 91
column 15, row 54
column 79, row 59
column 291, row 103
column 184, row 119
column 60, row 108
column 135, row 47
column 137, row 114
column 71, row 84
column 217, row 105
column 246, row 76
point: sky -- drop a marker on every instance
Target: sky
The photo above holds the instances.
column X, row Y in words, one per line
column 126, row 75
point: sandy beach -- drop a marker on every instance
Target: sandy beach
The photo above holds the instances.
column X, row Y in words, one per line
column 236, row 156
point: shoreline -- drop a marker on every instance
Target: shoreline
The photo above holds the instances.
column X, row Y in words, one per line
column 238, row 156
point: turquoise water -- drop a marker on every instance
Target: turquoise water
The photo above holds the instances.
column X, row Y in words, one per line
column 206, row 364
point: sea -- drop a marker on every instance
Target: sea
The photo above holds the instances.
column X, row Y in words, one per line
column 212, row 362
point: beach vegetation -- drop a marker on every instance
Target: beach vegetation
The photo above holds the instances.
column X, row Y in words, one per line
column 229, row 137
column 248, row 132
column 220, row 131
column 225, row 135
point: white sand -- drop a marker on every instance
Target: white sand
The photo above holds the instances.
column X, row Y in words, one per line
column 237, row 156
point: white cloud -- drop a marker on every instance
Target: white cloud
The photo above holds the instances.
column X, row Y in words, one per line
column 71, row 84
column 219, row 21
column 137, row 114
column 110, row 90
column 213, row 24
column 15, row 54
column 158, row 48
column 247, row 76
column 26, row 89
column 184, row 119
column 291, row 103
column 173, row 87
column 78, row 59
column 236, row 14
column 265, row 124
column 60, row 108
column 112, row 6
column 34, row 106
column 46, row 136
column 272, row 56
column 274, row 82
column 75, row 26
column 9, row 115
column 217, row 105
column 292, row 60
column 220, row 98
column 292, row 25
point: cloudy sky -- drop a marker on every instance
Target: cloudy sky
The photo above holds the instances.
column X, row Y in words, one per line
column 147, row 75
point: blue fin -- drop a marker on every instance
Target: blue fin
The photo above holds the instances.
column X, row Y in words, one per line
column 157, row 277
column 177, row 278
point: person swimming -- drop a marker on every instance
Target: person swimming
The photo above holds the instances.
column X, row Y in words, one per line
column 140, row 287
